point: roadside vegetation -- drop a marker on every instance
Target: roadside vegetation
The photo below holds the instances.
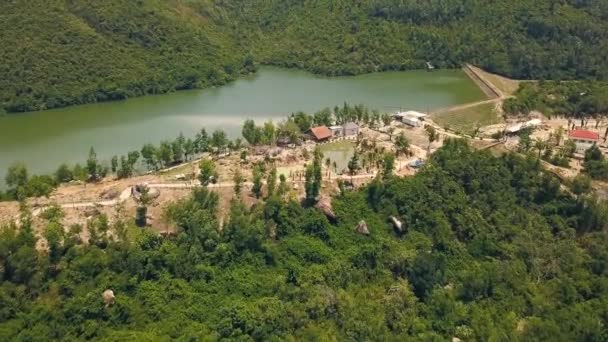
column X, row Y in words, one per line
column 579, row 100
column 474, row 246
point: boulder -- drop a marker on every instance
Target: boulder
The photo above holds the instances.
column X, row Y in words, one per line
column 91, row 212
column 362, row 228
column 110, row 194
column 397, row 224
column 108, row 297
column 324, row 205
column 168, row 235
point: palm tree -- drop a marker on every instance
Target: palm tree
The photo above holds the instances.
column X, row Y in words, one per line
column 539, row 145
column 402, row 145
column 390, row 131
column 433, row 136
column 558, row 135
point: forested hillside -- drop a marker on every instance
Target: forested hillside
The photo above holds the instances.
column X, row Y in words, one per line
column 62, row 52
column 490, row 248
column 538, row 39
column 58, row 52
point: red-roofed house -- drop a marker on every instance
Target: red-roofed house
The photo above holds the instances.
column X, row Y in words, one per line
column 583, row 139
column 321, row 133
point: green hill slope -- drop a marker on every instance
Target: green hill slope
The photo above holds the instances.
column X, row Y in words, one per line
column 539, row 39
column 60, row 53
column 491, row 249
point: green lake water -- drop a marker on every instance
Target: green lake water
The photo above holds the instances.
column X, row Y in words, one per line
column 45, row 139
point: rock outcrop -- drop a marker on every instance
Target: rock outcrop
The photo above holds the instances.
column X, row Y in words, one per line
column 324, row 205
column 362, row 228
column 397, row 224
column 108, row 297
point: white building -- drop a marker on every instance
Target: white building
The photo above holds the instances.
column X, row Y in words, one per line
column 583, row 139
column 411, row 118
column 414, row 122
column 336, row 131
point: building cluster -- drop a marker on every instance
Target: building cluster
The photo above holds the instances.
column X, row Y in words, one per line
column 324, row 133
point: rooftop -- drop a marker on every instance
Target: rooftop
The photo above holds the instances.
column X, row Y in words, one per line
column 412, row 114
column 583, row 134
column 350, row 125
column 321, row 132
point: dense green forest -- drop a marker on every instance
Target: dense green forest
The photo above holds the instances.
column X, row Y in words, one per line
column 490, row 248
column 63, row 52
column 57, row 53
column 538, row 39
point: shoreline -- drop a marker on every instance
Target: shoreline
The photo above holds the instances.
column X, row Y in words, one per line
column 240, row 77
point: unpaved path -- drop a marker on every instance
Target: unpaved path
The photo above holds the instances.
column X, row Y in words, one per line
column 126, row 193
column 466, row 106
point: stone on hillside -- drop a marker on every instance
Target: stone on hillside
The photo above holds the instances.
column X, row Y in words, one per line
column 108, row 297
column 362, row 228
column 91, row 212
column 324, row 205
column 397, row 224
column 110, row 194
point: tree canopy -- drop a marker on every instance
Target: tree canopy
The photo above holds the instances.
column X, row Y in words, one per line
column 488, row 248
column 61, row 53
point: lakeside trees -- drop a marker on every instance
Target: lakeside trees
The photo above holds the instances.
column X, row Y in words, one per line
column 166, row 154
column 21, row 185
column 170, row 153
column 490, row 247
column 293, row 129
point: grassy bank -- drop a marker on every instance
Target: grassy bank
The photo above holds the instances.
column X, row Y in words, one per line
column 469, row 119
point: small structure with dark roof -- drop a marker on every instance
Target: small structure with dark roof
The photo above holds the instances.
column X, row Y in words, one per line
column 321, row 133
column 583, row 139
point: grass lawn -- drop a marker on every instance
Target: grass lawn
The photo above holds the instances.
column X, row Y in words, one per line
column 340, row 145
column 467, row 120
column 339, row 152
